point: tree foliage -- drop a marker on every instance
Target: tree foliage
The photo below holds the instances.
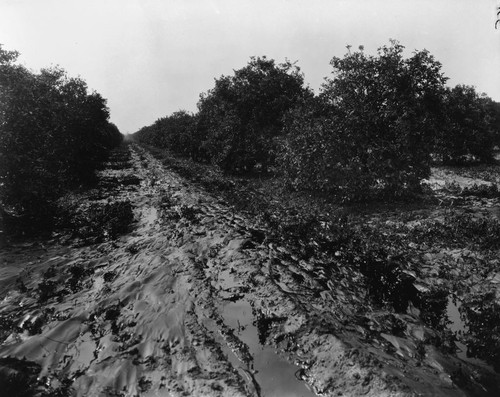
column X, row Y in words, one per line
column 371, row 132
column 243, row 114
column 238, row 120
column 376, row 137
column 176, row 132
column 53, row 133
column 471, row 129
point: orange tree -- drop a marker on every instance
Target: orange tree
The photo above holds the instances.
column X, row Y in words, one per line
column 471, row 129
column 371, row 131
column 241, row 117
column 53, row 134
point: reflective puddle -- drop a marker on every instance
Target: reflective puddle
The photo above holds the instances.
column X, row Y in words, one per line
column 459, row 327
column 274, row 375
column 150, row 216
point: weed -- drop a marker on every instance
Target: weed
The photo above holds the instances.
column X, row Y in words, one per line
column 386, row 282
column 432, row 305
column 78, row 273
column 18, row 377
column 47, row 289
column 482, row 317
column 64, row 389
column 144, row 384
column 7, row 325
column 189, row 213
column 129, row 180
column 109, row 276
column 98, row 222
column 166, row 202
column 483, row 190
column 459, row 230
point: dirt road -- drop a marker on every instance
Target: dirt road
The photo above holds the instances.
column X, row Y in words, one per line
column 194, row 301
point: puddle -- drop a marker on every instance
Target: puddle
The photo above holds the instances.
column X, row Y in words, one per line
column 150, row 216
column 84, row 352
column 274, row 375
column 459, row 327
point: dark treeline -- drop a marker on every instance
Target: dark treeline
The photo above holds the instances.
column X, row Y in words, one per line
column 239, row 122
column 372, row 131
column 53, row 135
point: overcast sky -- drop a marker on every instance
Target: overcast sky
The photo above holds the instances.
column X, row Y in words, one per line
column 150, row 58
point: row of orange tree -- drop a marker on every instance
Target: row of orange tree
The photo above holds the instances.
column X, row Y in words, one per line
column 53, row 135
column 372, row 132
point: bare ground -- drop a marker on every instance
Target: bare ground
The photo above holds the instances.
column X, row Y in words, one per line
column 195, row 300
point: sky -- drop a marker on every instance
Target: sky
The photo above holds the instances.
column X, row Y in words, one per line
column 150, row 58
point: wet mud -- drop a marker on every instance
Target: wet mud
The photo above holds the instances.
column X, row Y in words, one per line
column 177, row 294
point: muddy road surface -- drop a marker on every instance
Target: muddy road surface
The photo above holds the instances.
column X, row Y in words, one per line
column 193, row 300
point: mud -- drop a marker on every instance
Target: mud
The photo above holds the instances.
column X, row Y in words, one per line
column 191, row 299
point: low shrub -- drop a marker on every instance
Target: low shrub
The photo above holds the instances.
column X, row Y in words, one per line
column 99, row 222
column 459, row 230
column 482, row 190
column 481, row 313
